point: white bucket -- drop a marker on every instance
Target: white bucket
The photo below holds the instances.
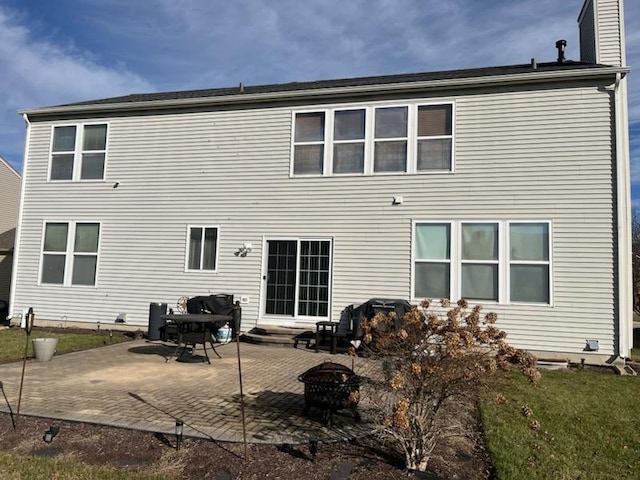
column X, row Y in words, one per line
column 223, row 335
column 44, row 348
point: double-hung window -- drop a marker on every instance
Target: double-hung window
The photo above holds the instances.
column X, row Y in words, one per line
column 479, row 261
column 390, row 148
column 308, row 156
column 349, row 141
column 529, row 262
column 78, row 152
column 435, row 137
column 501, row 262
column 373, row 139
column 70, row 253
column 202, row 248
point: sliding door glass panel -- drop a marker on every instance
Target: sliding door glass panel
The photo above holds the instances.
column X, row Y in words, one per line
column 281, row 277
column 313, row 289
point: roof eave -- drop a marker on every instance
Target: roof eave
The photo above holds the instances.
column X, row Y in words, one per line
column 354, row 90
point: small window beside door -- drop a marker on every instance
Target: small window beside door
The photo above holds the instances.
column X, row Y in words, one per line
column 202, row 248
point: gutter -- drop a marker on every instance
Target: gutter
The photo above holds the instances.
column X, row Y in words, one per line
column 404, row 87
column 18, row 238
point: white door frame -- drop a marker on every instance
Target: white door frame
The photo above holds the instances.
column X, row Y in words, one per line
column 293, row 321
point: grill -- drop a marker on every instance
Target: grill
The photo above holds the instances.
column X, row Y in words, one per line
column 331, row 387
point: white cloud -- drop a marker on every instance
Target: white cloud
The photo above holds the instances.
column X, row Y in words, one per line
column 38, row 73
column 188, row 44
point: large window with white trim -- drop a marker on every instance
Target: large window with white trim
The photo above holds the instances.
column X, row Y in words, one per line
column 484, row 261
column 202, row 248
column 70, row 253
column 78, row 152
column 368, row 140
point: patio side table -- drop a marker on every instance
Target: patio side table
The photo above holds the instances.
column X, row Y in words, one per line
column 324, row 330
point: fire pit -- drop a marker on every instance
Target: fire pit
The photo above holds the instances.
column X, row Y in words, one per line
column 331, row 387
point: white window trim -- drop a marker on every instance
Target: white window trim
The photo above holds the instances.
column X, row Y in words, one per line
column 504, row 263
column 508, row 262
column 69, row 253
column 78, row 151
column 186, row 254
column 501, row 257
column 369, row 140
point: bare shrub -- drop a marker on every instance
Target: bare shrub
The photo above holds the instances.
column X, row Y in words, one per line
column 432, row 357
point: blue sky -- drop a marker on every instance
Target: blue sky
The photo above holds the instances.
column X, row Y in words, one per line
column 62, row 51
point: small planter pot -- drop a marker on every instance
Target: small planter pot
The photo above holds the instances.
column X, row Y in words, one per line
column 44, row 348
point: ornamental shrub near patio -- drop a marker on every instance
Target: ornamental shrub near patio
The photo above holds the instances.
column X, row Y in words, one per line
column 435, row 355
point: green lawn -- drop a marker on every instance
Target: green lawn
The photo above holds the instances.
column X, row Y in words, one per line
column 589, row 427
column 12, row 342
column 22, row 467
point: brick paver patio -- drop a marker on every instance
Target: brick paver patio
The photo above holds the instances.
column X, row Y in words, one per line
column 130, row 385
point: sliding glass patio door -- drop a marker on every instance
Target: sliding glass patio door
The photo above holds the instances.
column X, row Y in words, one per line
column 297, row 280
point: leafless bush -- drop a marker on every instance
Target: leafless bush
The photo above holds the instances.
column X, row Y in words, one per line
column 435, row 355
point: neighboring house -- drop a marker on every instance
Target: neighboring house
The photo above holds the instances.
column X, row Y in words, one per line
column 10, row 183
column 508, row 186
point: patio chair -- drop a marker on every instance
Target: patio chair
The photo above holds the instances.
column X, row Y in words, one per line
column 346, row 329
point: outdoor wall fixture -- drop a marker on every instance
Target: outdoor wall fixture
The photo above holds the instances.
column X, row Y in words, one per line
column 592, row 346
column 50, row 434
column 244, row 249
column 179, row 429
column 397, row 200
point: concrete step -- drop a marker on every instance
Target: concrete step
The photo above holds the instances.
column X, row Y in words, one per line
column 278, row 336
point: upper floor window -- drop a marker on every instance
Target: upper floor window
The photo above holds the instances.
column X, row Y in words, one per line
column 70, row 253
column 202, row 248
column 78, row 152
column 412, row 138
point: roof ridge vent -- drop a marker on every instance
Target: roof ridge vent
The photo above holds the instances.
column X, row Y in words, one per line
column 561, row 45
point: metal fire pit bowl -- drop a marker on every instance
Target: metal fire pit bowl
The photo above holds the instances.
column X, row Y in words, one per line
column 331, row 387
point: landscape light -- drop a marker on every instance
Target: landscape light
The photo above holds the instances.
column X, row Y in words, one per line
column 179, row 429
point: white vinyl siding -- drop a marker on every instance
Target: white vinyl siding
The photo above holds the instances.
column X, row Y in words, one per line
column 609, row 33
column 520, row 154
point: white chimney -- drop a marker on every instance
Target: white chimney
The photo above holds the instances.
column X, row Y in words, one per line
column 602, row 32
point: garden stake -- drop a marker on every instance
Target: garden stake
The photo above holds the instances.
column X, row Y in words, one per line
column 28, row 325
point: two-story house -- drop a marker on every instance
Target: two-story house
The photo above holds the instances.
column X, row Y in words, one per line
column 508, row 186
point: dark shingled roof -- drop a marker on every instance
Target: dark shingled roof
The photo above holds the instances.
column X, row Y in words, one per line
column 347, row 82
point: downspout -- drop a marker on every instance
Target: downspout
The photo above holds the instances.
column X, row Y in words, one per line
column 623, row 197
column 18, row 238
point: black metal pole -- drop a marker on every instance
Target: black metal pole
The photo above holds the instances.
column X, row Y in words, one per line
column 28, row 326
column 237, row 312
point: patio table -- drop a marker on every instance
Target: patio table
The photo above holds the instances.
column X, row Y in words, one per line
column 194, row 328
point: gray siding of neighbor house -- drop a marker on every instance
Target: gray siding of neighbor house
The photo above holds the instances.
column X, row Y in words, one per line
column 525, row 154
column 10, row 183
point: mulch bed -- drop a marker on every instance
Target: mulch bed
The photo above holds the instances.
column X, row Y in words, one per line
column 132, row 450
